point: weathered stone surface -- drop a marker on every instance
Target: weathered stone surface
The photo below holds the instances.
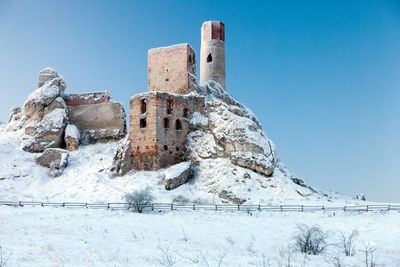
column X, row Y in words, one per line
column 171, row 69
column 46, row 133
column 177, row 175
column 72, row 137
column 159, row 125
column 14, row 111
column 298, row 181
column 39, row 99
column 212, row 54
column 232, row 132
column 49, row 74
column 99, row 122
column 253, row 161
column 87, row 98
column 54, row 158
column 122, row 161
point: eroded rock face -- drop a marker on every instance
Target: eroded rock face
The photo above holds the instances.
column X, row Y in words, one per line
column 54, row 158
column 177, row 175
column 48, row 74
column 122, row 161
column 230, row 130
column 72, row 137
column 46, row 133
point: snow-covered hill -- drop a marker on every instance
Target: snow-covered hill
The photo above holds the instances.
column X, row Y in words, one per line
column 87, row 178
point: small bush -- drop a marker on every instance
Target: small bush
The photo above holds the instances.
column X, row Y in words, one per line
column 139, row 200
column 347, row 242
column 310, row 240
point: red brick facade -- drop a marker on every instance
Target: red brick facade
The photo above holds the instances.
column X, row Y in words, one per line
column 159, row 125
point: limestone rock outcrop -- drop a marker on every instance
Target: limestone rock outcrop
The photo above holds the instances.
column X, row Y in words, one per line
column 72, row 137
column 46, row 133
column 177, row 175
column 122, row 162
column 54, row 158
column 91, row 117
column 232, row 132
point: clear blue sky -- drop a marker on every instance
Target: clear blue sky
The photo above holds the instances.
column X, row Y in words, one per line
column 322, row 76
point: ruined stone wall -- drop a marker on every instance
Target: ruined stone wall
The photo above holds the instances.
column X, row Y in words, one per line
column 161, row 142
column 87, row 98
column 212, row 53
column 96, row 116
column 170, row 69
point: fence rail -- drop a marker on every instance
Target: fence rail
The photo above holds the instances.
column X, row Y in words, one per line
column 216, row 207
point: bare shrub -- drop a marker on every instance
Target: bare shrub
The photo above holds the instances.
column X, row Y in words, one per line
column 347, row 242
column 139, row 200
column 310, row 240
column 167, row 257
column 370, row 260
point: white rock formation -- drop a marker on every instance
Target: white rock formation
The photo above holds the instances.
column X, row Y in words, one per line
column 54, row 158
column 177, row 175
column 72, row 137
column 233, row 132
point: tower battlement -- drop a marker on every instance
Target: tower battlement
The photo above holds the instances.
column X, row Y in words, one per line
column 213, row 30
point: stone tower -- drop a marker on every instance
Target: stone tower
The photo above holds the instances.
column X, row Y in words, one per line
column 212, row 54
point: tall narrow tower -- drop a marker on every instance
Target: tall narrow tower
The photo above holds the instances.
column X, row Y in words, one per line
column 212, row 54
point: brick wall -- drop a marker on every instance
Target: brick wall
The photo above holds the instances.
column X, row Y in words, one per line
column 156, row 145
column 169, row 68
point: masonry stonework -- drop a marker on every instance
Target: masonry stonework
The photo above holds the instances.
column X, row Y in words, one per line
column 212, row 54
column 170, row 69
column 159, row 125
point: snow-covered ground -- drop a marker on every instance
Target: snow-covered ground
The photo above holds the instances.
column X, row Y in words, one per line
column 79, row 237
column 87, row 179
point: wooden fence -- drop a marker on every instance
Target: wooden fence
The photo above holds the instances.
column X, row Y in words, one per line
column 217, row 207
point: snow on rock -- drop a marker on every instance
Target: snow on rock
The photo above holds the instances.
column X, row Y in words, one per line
column 47, row 75
column 177, row 175
column 41, row 98
column 72, row 137
column 54, row 158
column 46, row 133
column 122, row 162
column 233, row 132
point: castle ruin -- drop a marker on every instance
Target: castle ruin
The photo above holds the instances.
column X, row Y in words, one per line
column 159, row 119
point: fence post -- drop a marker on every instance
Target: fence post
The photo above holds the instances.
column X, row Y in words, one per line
column 194, row 206
column 323, row 207
column 259, row 207
column 367, row 207
column 302, row 208
column 216, row 207
column 238, row 207
column 281, row 208
column 172, row 206
column 344, row 209
column 388, row 207
column 63, row 204
column 108, row 205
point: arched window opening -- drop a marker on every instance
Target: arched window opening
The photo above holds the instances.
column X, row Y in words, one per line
column 185, row 113
column 209, row 58
column 165, row 147
column 178, row 125
column 143, row 106
column 177, row 149
column 166, row 123
column 169, row 106
column 142, row 123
